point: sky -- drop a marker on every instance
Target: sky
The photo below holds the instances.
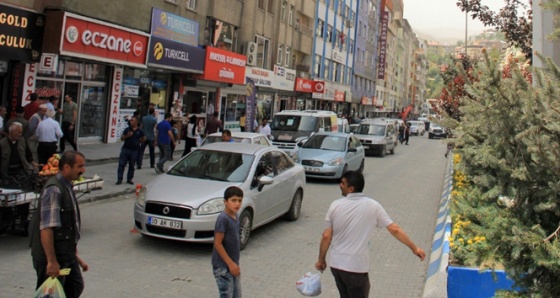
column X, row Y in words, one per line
column 443, row 19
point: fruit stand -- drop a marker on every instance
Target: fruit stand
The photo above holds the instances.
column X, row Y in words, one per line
column 19, row 194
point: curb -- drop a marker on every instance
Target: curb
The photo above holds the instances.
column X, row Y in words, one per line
column 436, row 280
column 90, row 199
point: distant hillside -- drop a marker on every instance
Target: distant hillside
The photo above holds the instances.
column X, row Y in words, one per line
column 444, row 35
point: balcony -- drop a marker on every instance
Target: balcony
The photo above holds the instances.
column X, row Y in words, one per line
column 303, row 39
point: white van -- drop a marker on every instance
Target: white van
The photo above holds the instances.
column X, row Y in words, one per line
column 289, row 127
column 378, row 136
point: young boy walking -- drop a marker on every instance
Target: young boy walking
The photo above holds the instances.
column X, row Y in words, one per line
column 225, row 255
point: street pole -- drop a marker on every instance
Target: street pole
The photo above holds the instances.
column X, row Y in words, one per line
column 466, row 34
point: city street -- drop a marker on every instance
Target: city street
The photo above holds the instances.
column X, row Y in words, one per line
column 125, row 264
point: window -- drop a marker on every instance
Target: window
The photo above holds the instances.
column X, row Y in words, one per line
column 280, row 54
column 291, row 15
column 336, row 39
column 320, row 27
column 329, row 33
column 263, row 45
column 282, row 162
column 265, row 167
column 287, row 60
column 336, row 70
column 351, row 46
column 190, row 4
column 327, row 69
column 317, row 70
column 261, row 4
column 270, row 7
column 283, row 11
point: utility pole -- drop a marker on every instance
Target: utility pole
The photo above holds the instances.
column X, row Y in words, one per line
column 466, row 34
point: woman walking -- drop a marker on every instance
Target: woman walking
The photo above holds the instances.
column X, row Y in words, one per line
column 192, row 135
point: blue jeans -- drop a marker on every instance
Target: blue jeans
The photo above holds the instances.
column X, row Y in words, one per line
column 150, row 145
column 228, row 285
column 129, row 157
column 164, row 154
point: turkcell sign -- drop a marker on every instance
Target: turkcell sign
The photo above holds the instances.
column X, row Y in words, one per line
column 176, row 56
column 173, row 27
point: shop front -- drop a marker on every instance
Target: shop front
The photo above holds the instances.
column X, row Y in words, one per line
column 84, row 59
column 21, row 38
column 324, row 101
column 264, row 80
column 367, row 106
column 306, row 92
column 284, row 80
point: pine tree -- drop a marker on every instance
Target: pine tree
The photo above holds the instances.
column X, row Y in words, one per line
column 509, row 140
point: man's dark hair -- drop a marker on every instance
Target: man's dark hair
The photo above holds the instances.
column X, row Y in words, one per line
column 151, row 111
column 33, row 96
column 226, row 132
column 52, row 98
column 168, row 115
column 216, row 114
column 355, row 179
column 69, row 158
column 233, row 191
column 20, row 110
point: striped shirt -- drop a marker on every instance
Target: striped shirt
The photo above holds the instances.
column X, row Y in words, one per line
column 50, row 206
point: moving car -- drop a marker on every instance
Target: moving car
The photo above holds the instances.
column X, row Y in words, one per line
column 239, row 137
column 436, row 131
column 184, row 202
column 417, row 127
column 331, row 154
column 378, row 136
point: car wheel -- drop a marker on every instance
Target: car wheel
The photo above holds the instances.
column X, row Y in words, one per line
column 361, row 169
column 383, row 150
column 295, row 208
column 245, row 226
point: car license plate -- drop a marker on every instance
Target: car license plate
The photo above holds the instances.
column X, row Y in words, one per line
column 311, row 169
column 166, row 223
column 366, row 147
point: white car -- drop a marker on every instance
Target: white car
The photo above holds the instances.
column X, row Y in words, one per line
column 417, row 127
column 184, row 202
column 239, row 137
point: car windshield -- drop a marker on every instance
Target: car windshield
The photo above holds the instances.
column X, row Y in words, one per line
column 354, row 129
column 294, row 123
column 434, row 125
column 325, row 142
column 214, row 165
column 371, row 129
column 215, row 139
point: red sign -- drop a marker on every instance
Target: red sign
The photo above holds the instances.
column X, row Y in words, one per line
column 338, row 96
column 367, row 101
column 309, row 86
column 88, row 38
column 224, row 66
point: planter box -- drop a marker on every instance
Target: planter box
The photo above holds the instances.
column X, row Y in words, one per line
column 469, row 282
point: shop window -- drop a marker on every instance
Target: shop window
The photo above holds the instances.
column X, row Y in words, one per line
column 95, row 72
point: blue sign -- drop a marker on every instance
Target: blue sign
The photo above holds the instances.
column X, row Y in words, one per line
column 176, row 56
column 250, row 106
column 173, row 27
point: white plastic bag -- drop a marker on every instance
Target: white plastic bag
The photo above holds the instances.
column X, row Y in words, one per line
column 309, row 284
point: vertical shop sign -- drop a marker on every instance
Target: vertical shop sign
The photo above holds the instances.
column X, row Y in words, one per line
column 29, row 83
column 16, row 88
column 251, row 93
column 115, row 102
column 383, row 46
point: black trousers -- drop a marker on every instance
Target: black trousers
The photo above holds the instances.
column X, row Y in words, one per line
column 73, row 283
column 45, row 150
column 189, row 143
column 68, row 136
column 351, row 284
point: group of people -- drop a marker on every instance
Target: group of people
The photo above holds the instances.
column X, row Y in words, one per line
column 34, row 135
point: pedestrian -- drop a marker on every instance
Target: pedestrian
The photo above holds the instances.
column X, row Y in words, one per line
column 55, row 101
column 149, row 123
column 227, row 246
column 175, row 133
column 69, row 118
column 401, row 133
column 406, row 133
column 132, row 137
column 31, row 108
column 264, row 129
column 20, row 119
column 32, row 128
column 164, row 138
column 213, row 125
column 242, row 121
column 192, row 135
column 48, row 133
column 3, row 113
column 55, row 228
column 349, row 224
column 226, row 136
column 15, row 156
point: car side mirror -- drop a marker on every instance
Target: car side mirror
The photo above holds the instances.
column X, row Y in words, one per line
column 352, row 150
column 300, row 144
column 264, row 180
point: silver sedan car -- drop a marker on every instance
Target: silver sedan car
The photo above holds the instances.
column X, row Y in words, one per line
column 331, row 154
column 239, row 137
column 184, row 202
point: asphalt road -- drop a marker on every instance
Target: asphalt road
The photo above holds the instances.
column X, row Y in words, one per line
column 125, row 264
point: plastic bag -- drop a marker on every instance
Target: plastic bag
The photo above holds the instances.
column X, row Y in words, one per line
column 309, row 284
column 51, row 288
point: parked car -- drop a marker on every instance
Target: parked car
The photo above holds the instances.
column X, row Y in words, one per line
column 417, row 127
column 329, row 155
column 378, row 136
column 239, row 137
column 354, row 128
column 184, row 202
column 436, row 131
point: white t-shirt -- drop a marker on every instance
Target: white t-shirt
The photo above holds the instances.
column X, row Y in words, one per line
column 264, row 130
column 352, row 219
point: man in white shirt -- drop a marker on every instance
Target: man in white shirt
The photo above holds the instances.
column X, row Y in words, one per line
column 264, row 129
column 349, row 224
column 48, row 132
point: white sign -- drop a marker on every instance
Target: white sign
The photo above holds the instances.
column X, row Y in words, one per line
column 49, row 62
column 28, row 83
column 114, row 106
column 131, row 91
column 284, row 78
column 261, row 77
column 337, row 56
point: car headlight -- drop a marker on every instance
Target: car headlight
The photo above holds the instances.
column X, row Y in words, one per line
column 141, row 197
column 211, row 207
column 294, row 156
column 271, row 138
column 336, row 162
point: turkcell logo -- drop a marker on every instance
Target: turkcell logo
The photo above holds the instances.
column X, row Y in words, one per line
column 173, row 27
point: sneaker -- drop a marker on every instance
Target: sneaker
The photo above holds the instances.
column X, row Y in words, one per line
column 158, row 171
column 130, row 182
column 119, row 182
column 139, row 167
column 152, row 166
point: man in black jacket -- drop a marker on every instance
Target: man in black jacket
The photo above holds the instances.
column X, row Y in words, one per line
column 55, row 229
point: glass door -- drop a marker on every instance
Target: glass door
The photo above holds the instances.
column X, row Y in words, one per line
column 92, row 112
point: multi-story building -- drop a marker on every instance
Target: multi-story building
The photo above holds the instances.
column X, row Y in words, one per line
column 333, row 54
column 365, row 57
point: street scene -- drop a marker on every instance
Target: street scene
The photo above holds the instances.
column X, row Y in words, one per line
column 123, row 263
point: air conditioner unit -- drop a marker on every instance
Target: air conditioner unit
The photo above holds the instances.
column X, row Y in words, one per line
column 250, row 50
column 348, row 23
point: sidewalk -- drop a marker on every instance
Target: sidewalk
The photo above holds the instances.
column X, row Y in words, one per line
column 102, row 160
